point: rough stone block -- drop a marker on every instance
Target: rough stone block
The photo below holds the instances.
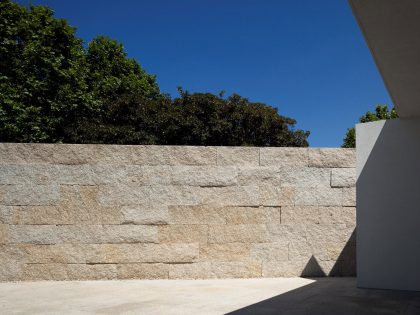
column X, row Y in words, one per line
column 272, row 215
column 230, row 196
column 305, row 176
column 286, row 232
column 69, row 272
column 238, row 156
column 180, row 175
column 275, row 196
column 332, row 157
column 202, row 214
column 149, row 174
column 26, row 153
column 48, row 215
column 120, row 154
column 59, row 253
column 328, row 251
column 11, row 262
column 183, row 233
column 333, row 251
column 245, row 215
column 327, row 233
column 300, row 215
column 300, row 249
column 6, row 214
column 2, row 193
column 203, row 176
column 343, row 177
column 224, row 252
column 30, row 194
column 337, row 215
column 79, row 204
column 112, row 253
column 146, row 253
column 98, row 174
column 145, row 214
column 143, row 271
column 125, row 154
column 276, row 251
column 118, row 233
column 349, row 197
column 319, row 196
column 131, row 194
column 78, row 154
column 125, row 194
column 250, row 215
column 4, row 233
column 174, row 155
column 75, row 207
column 84, row 174
column 74, row 154
column 30, row 174
column 199, row 270
column 287, row 268
column 121, row 234
column 259, row 175
column 90, row 234
column 236, row 269
column 209, row 270
column 244, row 233
column 284, row 156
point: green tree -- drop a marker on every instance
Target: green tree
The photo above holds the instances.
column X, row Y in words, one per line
column 112, row 74
column 208, row 119
column 381, row 113
column 49, row 84
column 122, row 91
column 42, row 74
column 191, row 119
column 129, row 119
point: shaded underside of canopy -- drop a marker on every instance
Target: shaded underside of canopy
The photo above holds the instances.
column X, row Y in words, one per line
column 392, row 31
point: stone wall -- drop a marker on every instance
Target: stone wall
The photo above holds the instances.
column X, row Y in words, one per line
column 159, row 212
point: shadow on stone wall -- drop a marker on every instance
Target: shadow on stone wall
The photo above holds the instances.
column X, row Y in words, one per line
column 345, row 266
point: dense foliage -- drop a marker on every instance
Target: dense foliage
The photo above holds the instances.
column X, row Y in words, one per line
column 53, row 89
column 42, row 74
column 381, row 112
column 190, row 119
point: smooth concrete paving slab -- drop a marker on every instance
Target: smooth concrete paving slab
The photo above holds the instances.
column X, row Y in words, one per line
column 240, row 296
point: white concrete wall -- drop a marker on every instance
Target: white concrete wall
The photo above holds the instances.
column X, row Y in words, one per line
column 388, row 204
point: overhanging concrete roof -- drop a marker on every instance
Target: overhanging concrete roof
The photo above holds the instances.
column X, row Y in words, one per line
column 392, row 31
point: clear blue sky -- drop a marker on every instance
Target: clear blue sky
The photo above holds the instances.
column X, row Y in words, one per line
column 305, row 57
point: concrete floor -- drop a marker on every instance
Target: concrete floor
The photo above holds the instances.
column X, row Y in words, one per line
column 242, row 296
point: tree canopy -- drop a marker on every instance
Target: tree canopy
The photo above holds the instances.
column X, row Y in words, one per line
column 190, row 119
column 42, row 74
column 381, row 112
column 54, row 89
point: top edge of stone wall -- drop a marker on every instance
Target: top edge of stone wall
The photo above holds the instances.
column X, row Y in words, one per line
column 76, row 154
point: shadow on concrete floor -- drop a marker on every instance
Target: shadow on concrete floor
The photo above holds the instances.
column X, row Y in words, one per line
column 328, row 296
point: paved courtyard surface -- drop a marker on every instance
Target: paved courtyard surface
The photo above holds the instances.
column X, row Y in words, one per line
column 242, row 296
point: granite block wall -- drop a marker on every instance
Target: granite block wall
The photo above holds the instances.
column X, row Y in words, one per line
column 76, row 212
